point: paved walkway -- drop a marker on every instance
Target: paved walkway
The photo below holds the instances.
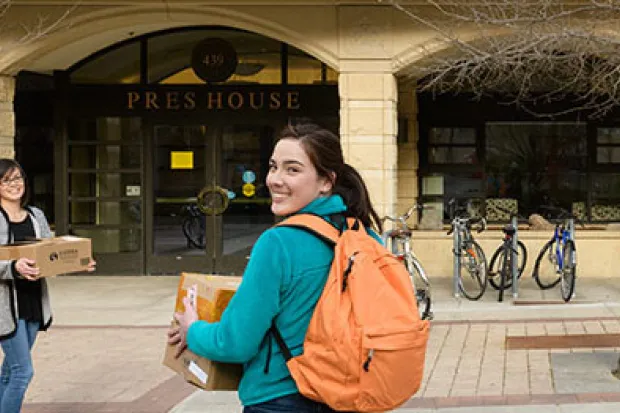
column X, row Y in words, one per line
column 104, row 352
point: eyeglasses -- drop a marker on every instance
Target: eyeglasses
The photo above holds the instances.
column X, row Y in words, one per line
column 17, row 180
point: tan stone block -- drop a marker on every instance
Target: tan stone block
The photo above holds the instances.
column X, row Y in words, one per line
column 366, row 121
column 390, row 156
column 407, row 157
column 365, row 139
column 365, row 31
column 7, row 152
column 7, row 88
column 407, row 101
column 367, row 86
column 407, row 186
column 414, row 132
column 365, row 65
column 367, row 156
column 390, row 121
column 7, row 124
column 390, row 188
column 390, row 87
column 374, row 180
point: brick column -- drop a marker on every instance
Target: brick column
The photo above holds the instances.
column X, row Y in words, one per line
column 7, row 117
column 368, row 130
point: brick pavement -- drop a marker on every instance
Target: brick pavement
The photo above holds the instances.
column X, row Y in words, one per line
column 104, row 353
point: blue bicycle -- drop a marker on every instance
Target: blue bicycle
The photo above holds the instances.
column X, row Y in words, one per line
column 557, row 260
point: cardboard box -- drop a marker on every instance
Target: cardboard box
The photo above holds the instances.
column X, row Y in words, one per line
column 53, row 256
column 210, row 295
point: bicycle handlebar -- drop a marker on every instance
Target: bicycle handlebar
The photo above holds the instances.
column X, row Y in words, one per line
column 563, row 213
column 469, row 222
column 406, row 215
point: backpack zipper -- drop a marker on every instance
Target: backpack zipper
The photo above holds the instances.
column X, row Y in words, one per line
column 347, row 271
column 371, row 353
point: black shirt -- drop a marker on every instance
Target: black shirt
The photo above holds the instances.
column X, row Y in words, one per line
column 28, row 292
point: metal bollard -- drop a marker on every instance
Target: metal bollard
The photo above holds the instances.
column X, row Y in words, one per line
column 515, row 258
column 456, row 245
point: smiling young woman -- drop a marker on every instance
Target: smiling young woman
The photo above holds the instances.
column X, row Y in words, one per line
column 286, row 273
column 24, row 299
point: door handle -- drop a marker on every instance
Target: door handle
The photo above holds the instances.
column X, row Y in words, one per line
column 212, row 200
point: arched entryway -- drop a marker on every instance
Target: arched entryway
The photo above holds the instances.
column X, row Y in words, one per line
column 162, row 144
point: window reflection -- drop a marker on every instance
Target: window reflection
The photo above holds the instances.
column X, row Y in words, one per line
column 536, row 164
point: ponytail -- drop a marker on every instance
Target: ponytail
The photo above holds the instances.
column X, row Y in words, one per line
column 351, row 187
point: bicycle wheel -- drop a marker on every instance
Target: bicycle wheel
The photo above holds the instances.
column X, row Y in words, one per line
column 546, row 268
column 421, row 287
column 474, row 264
column 194, row 232
column 505, row 275
column 495, row 265
column 569, row 267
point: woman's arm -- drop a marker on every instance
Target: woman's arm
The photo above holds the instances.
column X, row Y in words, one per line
column 236, row 338
column 46, row 232
column 6, row 270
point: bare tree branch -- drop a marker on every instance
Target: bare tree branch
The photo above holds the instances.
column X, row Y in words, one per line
column 532, row 52
column 41, row 26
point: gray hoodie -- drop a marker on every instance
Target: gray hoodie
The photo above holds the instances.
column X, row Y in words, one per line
column 8, row 294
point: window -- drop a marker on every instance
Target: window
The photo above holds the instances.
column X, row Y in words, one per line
column 165, row 58
column 452, row 146
column 118, row 65
column 536, row 164
column 608, row 146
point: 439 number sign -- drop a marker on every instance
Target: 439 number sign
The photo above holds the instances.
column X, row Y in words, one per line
column 214, row 60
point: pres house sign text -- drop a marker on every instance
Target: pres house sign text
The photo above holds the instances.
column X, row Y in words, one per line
column 220, row 100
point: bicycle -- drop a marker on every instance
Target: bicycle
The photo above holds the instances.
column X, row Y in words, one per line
column 398, row 241
column 194, row 226
column 471, row 256
column 503, row 257
column 557, row 260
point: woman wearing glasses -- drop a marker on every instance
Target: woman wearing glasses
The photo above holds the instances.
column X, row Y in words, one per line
column 24, row 299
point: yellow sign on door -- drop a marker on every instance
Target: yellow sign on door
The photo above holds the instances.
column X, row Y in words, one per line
column 181, row 160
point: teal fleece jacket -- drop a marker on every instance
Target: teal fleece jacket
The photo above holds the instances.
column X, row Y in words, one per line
column 283, row 280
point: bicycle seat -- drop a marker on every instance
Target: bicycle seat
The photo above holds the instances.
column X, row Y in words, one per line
column 399, row 233
column 509, row 230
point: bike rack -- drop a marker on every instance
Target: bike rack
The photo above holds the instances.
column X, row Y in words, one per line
column 571, row 230
column 515, row 262
column 456, row 245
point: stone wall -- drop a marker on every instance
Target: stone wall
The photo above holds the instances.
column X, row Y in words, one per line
column 7, row 117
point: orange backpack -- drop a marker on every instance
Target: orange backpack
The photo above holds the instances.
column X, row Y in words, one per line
column 365, row 346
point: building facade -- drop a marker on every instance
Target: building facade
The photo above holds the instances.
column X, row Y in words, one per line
column 128, row 116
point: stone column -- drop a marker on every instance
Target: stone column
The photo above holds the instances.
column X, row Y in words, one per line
column 7, row 117
column 368, row 99
column 408, row 157
column 368, row 130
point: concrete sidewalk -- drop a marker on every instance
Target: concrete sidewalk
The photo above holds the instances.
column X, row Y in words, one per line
column 104, row 351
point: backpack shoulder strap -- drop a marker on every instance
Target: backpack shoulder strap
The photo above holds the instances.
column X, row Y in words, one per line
column 314, row 224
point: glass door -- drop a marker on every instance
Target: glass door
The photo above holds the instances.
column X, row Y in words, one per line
column 209, row 202
column 243, row 162
column 183, row 159
column 104, row 190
